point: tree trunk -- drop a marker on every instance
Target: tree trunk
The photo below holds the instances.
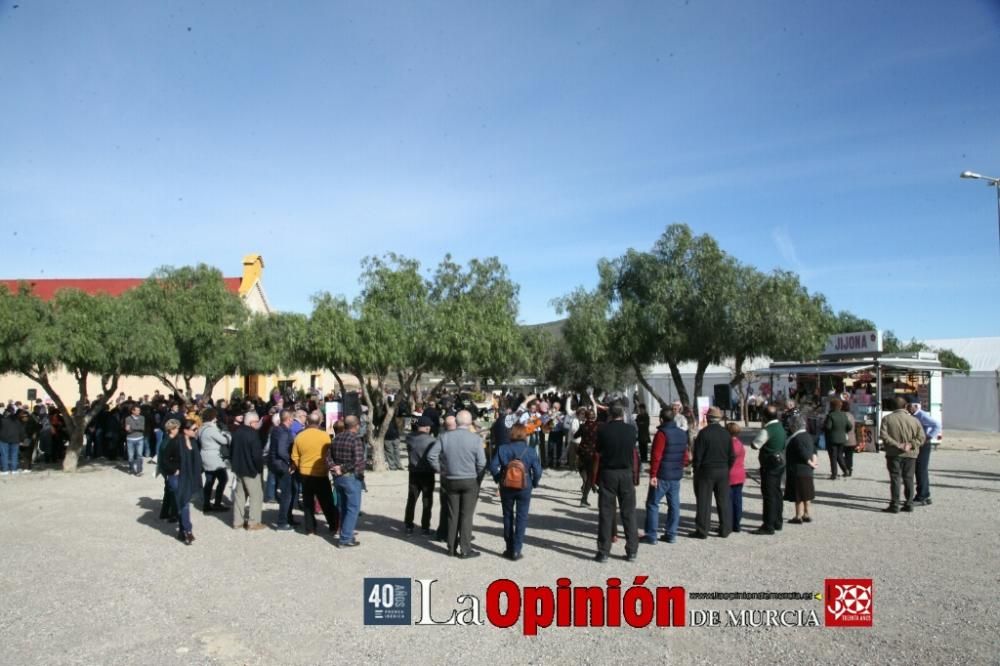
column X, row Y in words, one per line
column 439, row 386
column 675, row 373
column 646, row 385
column 699, row 377
column 210, row 383
column 187, row 385
column 378, row 440
column 340, row 382
column 71, row 461
column 174, row 389
column 737, row 383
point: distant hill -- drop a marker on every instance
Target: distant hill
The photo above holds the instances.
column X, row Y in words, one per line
column 554, row 328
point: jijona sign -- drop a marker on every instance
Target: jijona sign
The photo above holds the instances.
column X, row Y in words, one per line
column 863, row 342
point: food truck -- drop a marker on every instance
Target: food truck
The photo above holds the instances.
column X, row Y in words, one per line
column 854, row 367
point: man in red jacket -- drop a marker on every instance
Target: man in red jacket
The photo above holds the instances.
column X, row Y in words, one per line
column 666, row 470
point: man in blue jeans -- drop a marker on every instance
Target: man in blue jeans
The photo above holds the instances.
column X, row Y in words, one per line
column 932, row 430
column 279, row 466
column 666, row 470
column 347, row 464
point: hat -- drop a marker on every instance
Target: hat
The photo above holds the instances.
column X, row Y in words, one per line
column 425, row 422
column 714, row 413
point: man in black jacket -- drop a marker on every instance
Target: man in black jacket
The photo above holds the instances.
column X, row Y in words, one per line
column 248, row 465
column 614, row 466
column 12, row 433
column 279, row 454
column 713, row 456
column 419, row 443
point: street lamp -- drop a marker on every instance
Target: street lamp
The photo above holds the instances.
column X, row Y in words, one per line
column 990, row 182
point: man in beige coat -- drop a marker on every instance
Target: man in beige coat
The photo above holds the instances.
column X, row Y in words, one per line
column 902, row 436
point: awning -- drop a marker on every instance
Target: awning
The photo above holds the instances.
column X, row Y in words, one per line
column 887, row 363
column 819, row 369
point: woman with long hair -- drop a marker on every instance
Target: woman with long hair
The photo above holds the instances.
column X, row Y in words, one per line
column 181, row 465
column 515, row 486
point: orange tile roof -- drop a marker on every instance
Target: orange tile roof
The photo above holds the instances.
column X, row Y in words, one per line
column 46, row 289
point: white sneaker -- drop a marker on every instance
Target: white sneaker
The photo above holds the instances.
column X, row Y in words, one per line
column 7, row 473
column 24, row 471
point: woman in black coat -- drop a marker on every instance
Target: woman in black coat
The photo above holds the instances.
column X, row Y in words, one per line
column 800, row 457
column 181, row 465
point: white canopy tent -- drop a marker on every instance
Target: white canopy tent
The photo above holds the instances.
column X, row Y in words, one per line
column 973, row 399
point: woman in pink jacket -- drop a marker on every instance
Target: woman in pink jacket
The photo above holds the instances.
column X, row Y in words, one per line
column 737, row 475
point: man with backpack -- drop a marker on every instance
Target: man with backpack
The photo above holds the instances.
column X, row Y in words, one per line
column 518, row 470
column 418, row 445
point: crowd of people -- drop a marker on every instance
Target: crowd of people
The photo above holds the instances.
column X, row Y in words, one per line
column 281, row 451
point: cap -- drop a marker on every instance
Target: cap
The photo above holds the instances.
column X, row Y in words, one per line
column 424, row 422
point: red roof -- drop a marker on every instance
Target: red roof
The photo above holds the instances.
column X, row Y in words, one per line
column 46, row 289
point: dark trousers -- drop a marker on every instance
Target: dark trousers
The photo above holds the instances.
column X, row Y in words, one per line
column 555, row 448
column 643, row 448
column 616, row 487
column 539, row 446
column 515, row 505
column 285, row 495
column 771, row 475
column 168, row 507
column 901, row 471
column 709, row 482
column 318, row 488
column 736, row 503
column 218, row 477
column 923, row 472
column 183, row 505
column 462, row 496
column 836, row 453
column 849, row 458
column 422, row 486
column 442, row 528
column 587, row 485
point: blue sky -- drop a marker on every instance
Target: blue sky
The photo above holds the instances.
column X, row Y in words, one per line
column 820, row 137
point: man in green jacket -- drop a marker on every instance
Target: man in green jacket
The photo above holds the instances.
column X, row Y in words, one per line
column 902, row 436
column 835, row 430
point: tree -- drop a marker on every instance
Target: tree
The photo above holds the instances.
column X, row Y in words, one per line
column 86, row 335
column 475, row 309
column 947, row 357
column 204, row 319
column 270, row 343
column 402, row 325
column 847, row 322
column 589, row 356
column 775, row 316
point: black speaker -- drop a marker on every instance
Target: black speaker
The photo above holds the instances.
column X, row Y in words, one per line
column 723, row 396
column 352, row 404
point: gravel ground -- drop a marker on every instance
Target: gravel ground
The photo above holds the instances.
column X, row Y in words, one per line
column 92, row 577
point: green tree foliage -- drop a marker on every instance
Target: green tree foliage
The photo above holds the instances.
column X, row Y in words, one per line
column 688, row 300
column 846, row 322
column 589, row 357
column 86, row 335
column 947, row 357
column 271, row 343
column 460, row 321
column 475, row 310
column 204, row 319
